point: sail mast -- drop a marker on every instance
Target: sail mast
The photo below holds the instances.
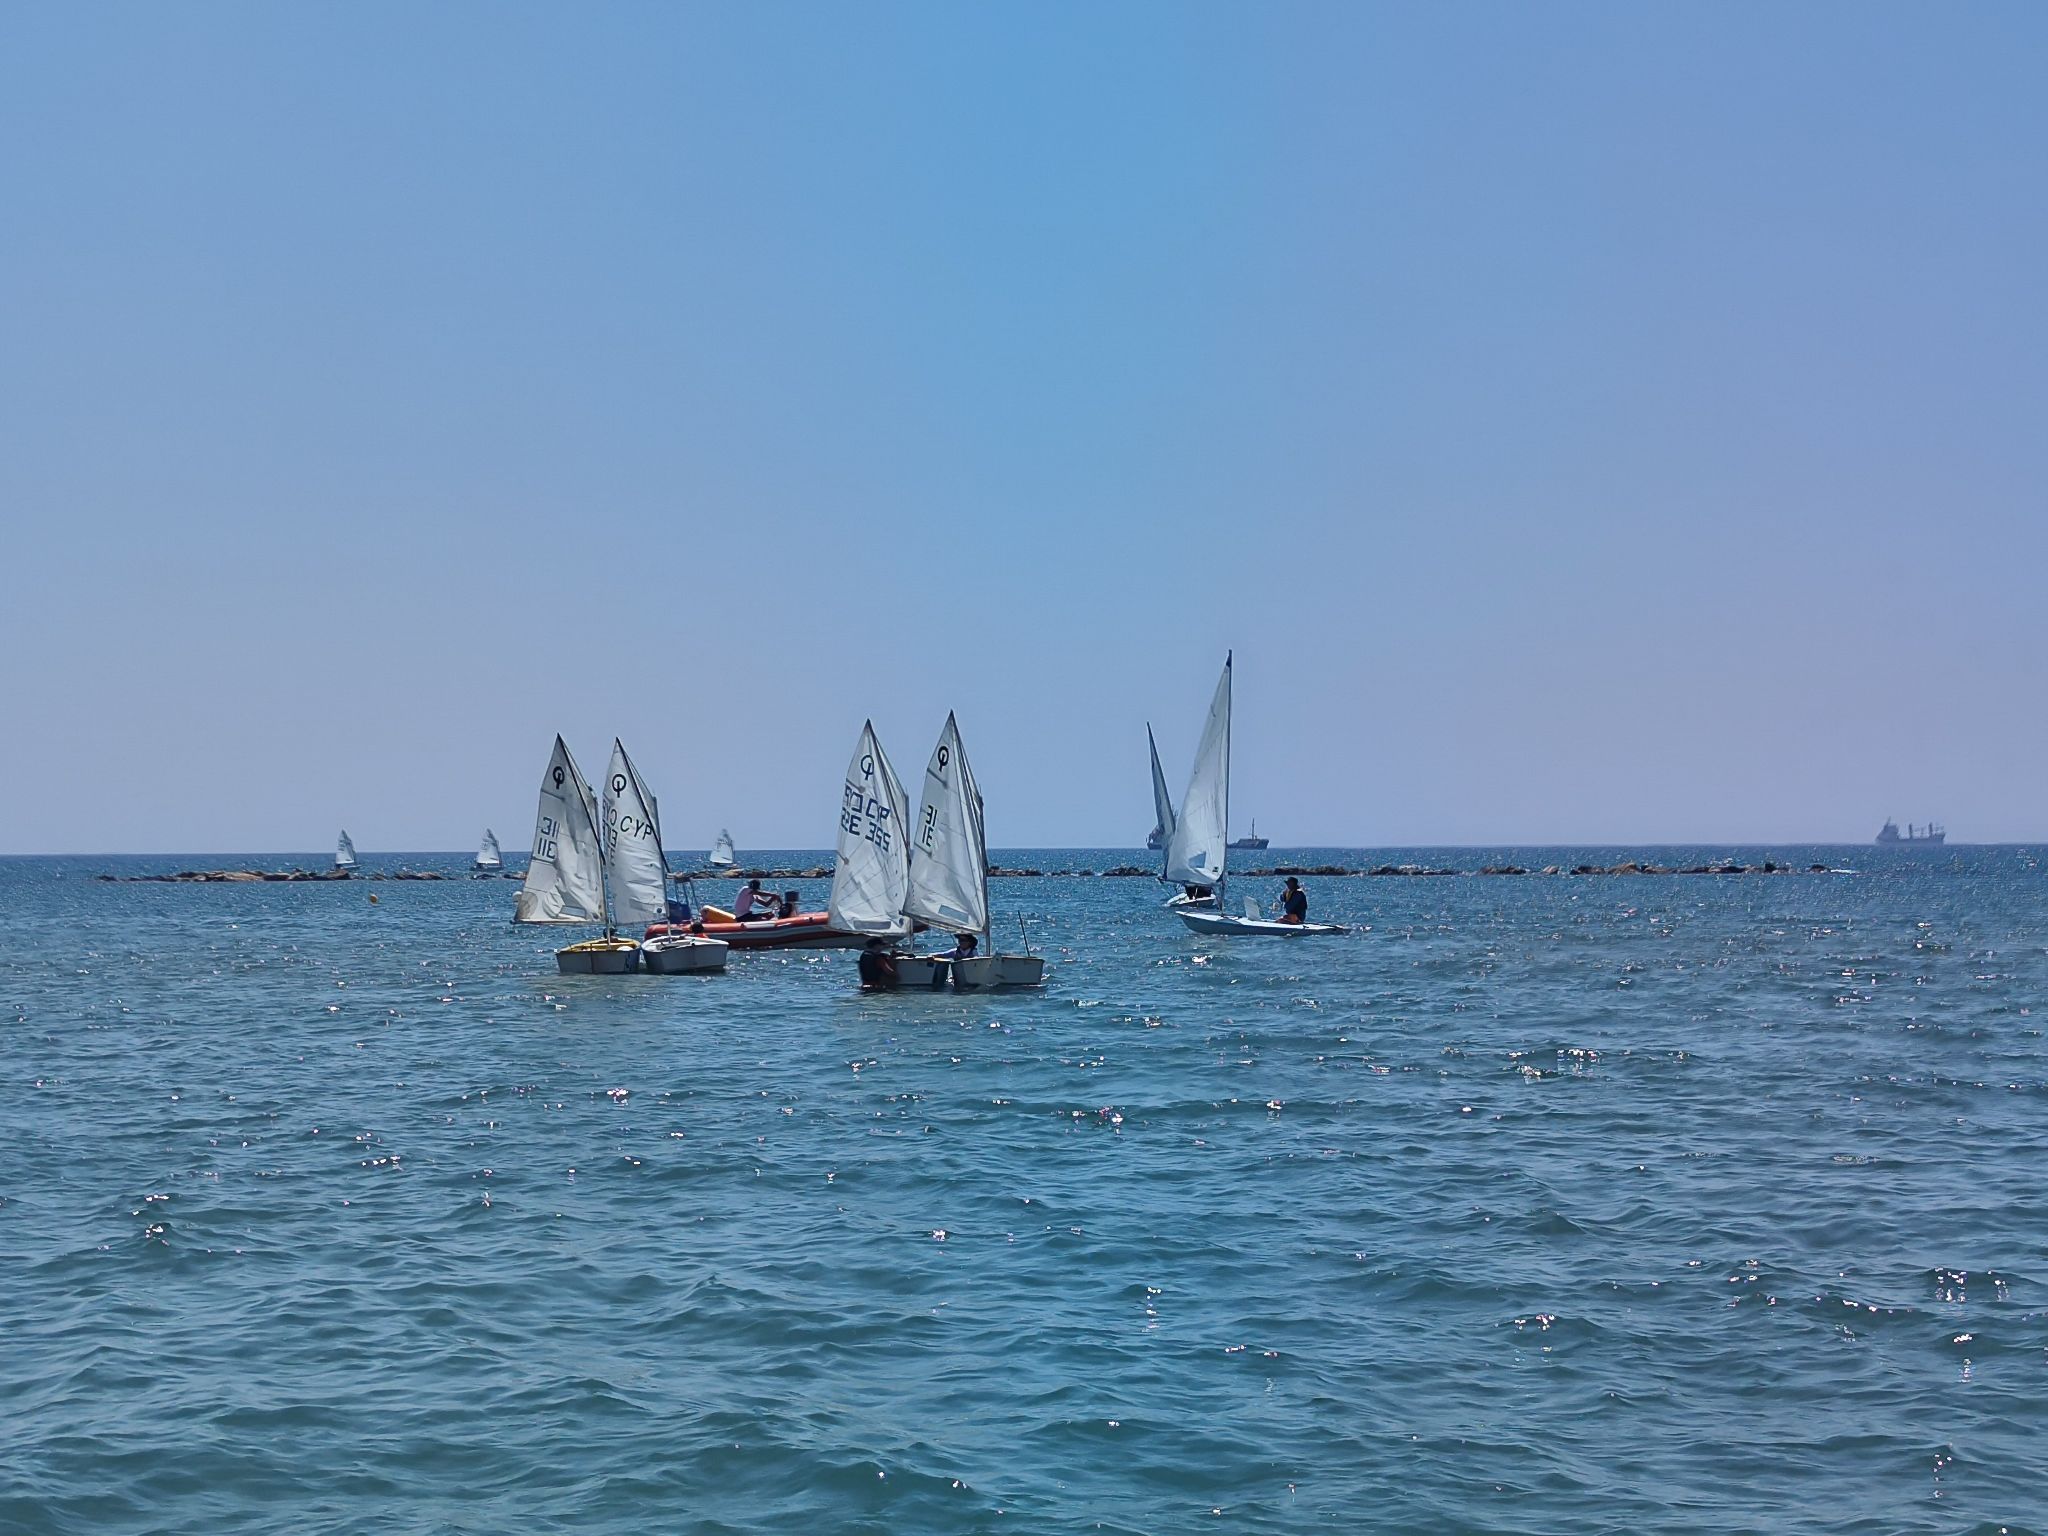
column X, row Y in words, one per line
column 1228, row 705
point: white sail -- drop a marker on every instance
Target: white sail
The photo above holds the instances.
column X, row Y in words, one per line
column 637, row 872
column 721, row 851
column 1194, row 854
column 487, row 854
column 345, row 852
column 872, row 875
column 1162, row 802
column 565, row 881
column 949, row 863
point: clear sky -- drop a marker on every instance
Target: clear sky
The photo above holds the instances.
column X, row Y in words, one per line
column 1586, row 422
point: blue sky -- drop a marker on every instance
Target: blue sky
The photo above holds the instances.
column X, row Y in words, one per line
column 1586, row 422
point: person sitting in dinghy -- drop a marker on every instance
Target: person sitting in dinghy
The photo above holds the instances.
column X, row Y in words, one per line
column 1293, row 902
column 755, row 905
column 964, row 946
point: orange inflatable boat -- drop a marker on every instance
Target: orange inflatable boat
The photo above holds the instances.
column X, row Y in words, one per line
column 807, row 930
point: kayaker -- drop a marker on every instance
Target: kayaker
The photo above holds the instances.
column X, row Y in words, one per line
column 877, row 966
column 1293, row 902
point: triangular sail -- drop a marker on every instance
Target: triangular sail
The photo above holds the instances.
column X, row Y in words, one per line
column 872, row 874
column 949, row 869
column 487, row 854
column 344, row 852
column 1162, row 802
column 721, row 851
column 1194, row 854
column 565, row 880
column 638, row 874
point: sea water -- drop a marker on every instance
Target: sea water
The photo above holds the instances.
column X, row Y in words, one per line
column 1534, row 1204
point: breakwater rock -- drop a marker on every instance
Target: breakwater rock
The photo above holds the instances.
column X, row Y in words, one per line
column 272, row 876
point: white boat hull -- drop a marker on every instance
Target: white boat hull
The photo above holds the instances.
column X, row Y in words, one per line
column 1182, row 900
column 978, row 973
column 599, row 957
column 682, row 954
column 921, row 972
column 988, row 973
column 1253, row 927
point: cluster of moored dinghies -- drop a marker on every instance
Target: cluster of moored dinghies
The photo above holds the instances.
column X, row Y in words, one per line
column 599, row 859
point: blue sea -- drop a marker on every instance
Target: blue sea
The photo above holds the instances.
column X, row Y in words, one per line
column 1544, row 1204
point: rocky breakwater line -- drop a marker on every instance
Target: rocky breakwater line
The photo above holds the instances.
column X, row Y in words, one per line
column 257, row 876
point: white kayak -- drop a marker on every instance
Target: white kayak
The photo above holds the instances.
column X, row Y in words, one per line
column 1252, row 927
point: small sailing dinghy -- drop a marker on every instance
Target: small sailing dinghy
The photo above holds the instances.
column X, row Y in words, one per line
column 871, row 874
column 948, row 887
column 344, row 851
column 1197, row 852
column 565, row 878
column 1255, row 922
column 636, row 876
column 1162, row 831
column 721, row 851
column 565, row 883
column 487, row 855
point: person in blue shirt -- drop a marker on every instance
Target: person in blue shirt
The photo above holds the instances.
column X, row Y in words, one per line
column 1293, row 902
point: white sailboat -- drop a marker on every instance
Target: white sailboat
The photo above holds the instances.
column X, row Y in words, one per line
column 344, row 851
column 636, row 877
column 1162, row 831
column 1197, row 852
column 871, row 875
column 948, row 887
column 565, row 880
column 487, row 854
column 721, row 851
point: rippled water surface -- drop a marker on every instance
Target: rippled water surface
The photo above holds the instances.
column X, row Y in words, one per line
column 1535, row 1204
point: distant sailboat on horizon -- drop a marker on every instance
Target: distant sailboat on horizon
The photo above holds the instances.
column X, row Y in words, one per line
column 487, row 854
column 345, row 851
column 722, row 856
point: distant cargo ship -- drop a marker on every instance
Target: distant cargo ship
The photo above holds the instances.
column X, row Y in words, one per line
column 1929, row 835
column 1253, row 840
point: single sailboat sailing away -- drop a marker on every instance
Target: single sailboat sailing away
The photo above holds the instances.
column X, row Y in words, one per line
column 1198, row 851
column 487, row 855
column 721, row 851
column 344, row 852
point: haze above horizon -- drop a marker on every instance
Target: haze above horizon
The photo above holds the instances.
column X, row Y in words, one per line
column 1588, row 425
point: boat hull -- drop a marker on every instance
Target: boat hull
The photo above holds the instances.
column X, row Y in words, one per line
column 1183, row 900
column 599, row 957
column 807, row 930
column 992, row 973
column 1222, row 925
column 680, row 954
column 921, row 973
